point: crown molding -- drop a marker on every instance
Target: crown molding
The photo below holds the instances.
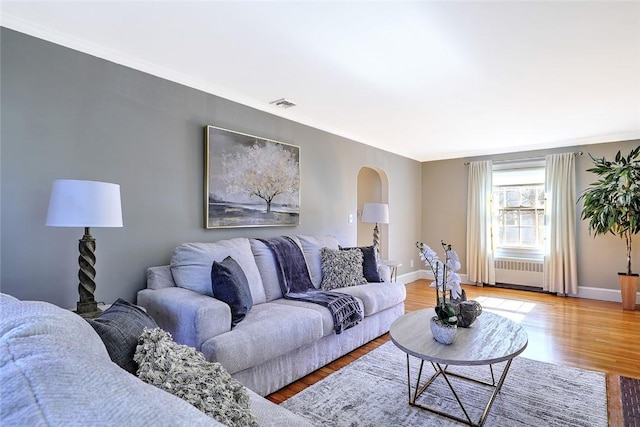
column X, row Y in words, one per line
column 53, row 36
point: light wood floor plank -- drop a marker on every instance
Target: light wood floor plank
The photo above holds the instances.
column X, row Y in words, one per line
column 588, row 334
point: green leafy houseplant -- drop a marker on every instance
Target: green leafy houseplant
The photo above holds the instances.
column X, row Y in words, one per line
column 612, row 203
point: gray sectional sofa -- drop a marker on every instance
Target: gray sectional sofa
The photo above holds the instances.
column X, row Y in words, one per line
column 279, row 340
column 55, row 371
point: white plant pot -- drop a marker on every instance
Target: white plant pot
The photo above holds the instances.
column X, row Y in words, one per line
column 443, row 332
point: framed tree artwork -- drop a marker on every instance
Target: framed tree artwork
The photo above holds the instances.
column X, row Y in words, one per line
column 250, row 181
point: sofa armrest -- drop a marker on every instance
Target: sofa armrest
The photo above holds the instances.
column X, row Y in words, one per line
column 190, row 317
column 385, row 272
column 159, row 277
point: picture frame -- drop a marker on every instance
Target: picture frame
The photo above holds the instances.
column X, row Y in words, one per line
column 250, row 181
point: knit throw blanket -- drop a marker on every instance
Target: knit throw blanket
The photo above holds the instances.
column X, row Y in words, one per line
column 296, row 284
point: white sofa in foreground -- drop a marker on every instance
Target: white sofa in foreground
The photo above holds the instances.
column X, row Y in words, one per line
column 55, row 371
column 280, row 340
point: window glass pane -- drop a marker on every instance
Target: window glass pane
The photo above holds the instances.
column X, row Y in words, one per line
column 540, row 197
column 528, row 236
column 528, row 196
column 540, row 238
column 512, row 197
column 511, row 218
column 527, row 218
column 511, row 236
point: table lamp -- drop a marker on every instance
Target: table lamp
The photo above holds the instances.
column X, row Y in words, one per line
column 85, row 204
column 378, row 213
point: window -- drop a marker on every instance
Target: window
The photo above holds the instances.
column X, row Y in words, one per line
column 518, row 209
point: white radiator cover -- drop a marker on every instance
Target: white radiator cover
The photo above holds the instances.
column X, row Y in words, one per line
column 515, row 271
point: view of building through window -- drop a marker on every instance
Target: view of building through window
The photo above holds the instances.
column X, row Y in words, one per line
column 519, row 215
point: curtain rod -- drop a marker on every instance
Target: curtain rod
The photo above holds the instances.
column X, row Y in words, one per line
column 576, row 153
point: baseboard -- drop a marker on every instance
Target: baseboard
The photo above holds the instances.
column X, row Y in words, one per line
column 601, row 294
column 409, row 277
column 586, row 292
column 422, row 274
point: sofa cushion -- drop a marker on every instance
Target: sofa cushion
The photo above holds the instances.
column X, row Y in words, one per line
column 377, row 296
column 119, row 327
column 229, row 284
column 54, row 370
column 269, row 330
column 341, row 268
column 184, row 372
column 328, row 327
column 266, row 262
column 369, row 263
column 191, row 265
column 311, row 246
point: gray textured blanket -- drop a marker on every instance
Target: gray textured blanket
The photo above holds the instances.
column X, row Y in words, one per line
column 296, row 284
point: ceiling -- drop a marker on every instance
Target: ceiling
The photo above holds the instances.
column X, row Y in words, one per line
column 425, row 80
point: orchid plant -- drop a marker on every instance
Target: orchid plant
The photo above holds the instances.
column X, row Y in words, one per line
column 445, row 278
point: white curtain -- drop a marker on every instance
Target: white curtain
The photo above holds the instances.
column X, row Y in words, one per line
column 480, row 267
column 560, row 270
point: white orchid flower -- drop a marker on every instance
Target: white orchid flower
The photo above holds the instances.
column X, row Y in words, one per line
column 444, row 273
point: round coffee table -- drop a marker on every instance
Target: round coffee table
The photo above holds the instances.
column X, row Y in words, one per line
column 490, row 339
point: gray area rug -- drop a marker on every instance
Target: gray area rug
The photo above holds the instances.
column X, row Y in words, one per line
column 372, row 391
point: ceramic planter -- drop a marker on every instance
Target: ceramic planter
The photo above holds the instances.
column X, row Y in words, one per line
column 443, row 332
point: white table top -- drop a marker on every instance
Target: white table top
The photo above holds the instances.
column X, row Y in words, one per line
column 392, row 263
column 490, row 339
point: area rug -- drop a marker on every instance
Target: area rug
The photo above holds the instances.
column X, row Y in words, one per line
column 372, row 391
column 630, row 396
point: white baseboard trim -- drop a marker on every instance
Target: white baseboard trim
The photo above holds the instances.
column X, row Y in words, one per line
column 613, row 295
column 587, row 292
column 410, row 277
column 422, row 274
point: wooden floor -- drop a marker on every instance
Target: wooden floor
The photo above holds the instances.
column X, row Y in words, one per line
column 589, row 334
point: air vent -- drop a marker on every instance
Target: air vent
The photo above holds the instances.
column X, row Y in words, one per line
column 283, row 103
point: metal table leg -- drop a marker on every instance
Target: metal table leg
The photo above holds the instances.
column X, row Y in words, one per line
column 419, row 389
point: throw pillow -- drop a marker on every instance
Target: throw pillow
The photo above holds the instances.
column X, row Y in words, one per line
column 341, row 268
column 369, row 262
column 184, row 372
column 119, row 327
column 230, row 285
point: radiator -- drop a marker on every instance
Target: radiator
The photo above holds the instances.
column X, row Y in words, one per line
column 519, row 272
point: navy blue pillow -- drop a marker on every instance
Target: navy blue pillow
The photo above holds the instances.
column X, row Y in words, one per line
column 119, row 327
column 369, row 263
column 229, row 284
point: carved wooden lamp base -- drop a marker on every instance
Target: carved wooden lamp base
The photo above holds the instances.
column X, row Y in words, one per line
column 87, row 306
column 376, row 236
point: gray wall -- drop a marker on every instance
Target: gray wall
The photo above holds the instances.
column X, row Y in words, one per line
column 66, row 114
column 444, row 201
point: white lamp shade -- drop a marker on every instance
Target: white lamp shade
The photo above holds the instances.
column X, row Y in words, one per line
column 375, row 212
column 84, row 204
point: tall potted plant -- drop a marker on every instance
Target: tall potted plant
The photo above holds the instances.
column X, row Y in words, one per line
column 612, row 205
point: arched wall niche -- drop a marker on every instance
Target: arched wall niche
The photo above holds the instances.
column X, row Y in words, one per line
column 373, row 187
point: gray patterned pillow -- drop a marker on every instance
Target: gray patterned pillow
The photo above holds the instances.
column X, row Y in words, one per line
column 341, row 268
column 183, row 371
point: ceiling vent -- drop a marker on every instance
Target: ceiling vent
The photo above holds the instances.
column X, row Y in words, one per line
column 283, row 103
